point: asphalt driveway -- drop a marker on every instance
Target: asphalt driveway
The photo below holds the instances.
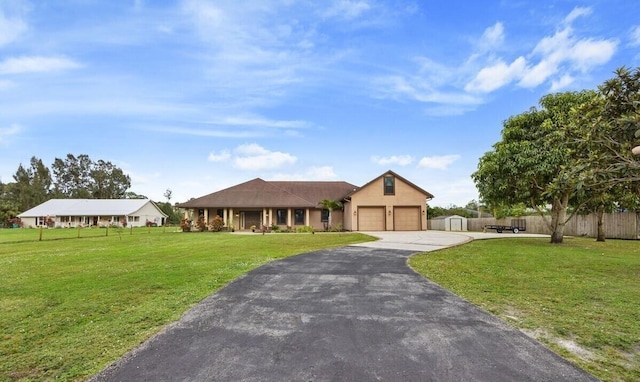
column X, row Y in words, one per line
column 349, row 314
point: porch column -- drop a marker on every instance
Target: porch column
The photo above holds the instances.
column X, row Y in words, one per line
column 232, row 221
column 206, row 216
column 270, row 217
column 307, row 219
column 224, row 217
column 289, row 218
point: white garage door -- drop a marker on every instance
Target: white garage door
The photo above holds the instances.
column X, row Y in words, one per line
column 406, row 219
column 371, row 219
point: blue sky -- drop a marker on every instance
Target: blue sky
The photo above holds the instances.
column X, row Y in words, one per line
column 197, row 96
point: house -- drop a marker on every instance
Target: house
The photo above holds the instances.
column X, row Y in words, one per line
column 93, row 212
column 388, row 202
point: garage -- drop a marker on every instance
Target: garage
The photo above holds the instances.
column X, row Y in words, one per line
column 406, row 218
column 371, row 219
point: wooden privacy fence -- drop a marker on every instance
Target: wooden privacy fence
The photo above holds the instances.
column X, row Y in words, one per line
column 622, row 225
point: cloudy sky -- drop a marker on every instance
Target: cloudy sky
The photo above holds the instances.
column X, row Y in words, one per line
column 199, row 95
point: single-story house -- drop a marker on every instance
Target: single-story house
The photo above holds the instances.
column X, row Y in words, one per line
column 93, row 212
column 387, row 203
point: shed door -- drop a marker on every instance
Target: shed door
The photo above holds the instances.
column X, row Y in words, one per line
column 371, row 219
column 455, row 224
column 406, row 218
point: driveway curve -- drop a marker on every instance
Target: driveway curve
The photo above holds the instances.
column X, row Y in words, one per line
column 349, row 314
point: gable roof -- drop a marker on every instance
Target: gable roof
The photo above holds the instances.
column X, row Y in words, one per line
column 258, row 193
column 427, row 194
column 88, row 207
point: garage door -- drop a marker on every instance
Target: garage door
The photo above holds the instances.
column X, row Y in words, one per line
column 406, row 219
column 371, row 219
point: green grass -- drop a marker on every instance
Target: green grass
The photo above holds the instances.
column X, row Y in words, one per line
column 69, row 307
column 581, row 298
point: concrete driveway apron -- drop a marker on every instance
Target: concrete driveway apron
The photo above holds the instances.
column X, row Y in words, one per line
column 350, row 314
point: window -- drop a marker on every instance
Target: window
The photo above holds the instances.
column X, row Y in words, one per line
column 298, row 217
column 324, row 216
column 389, row 185
column 281, row 217
column 220, row 212
column 65, row 219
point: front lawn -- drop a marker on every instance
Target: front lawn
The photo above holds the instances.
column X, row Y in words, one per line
column 581, row 298
column 69, row 306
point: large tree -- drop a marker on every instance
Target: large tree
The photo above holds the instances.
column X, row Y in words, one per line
column 82, row 178
column 32, row 185
column 533, row 163
column 108, row 181
column 611, row 123
column 72, row 176
column 8, row 207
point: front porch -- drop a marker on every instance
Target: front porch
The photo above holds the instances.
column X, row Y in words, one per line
column 240, row 219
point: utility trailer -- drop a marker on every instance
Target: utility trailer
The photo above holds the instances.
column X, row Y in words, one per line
column 517, row 225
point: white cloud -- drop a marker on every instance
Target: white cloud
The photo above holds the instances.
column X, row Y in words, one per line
column 223, row 156
column 254, row 121
column 496, row 76
column 7, row 132
column 10, row 28
column 556, row 59
column 438, row 162
column 253, row 51
column 577, row 12
column 421, row 90
column 204, row 132
column 635, row 36
column 492, row 37
column 400, row 160
column 321, row 173
column 346, row 9
column 36, row 64
column 310, row 174
column 255, row 157
column 562, row 82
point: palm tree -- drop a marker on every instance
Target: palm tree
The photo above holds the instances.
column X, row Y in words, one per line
column 329, row 205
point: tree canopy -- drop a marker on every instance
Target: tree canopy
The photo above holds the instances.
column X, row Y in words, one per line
column 73, row 177
column 571, row 152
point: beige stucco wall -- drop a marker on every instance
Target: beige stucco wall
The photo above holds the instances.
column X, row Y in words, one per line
column 373, row 195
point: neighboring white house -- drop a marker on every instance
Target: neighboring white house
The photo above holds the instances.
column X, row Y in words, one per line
column 449, row 223
column 93, row 212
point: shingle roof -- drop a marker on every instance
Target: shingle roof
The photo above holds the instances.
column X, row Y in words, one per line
column 87, row 207
column 258, row 193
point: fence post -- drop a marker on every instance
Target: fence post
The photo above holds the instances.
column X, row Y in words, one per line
column 40, row 238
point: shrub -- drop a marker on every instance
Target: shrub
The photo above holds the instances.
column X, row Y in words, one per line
column 15, row 222
column 201, row 225
column 217, row 224
column 305, row 228
column 185, row 224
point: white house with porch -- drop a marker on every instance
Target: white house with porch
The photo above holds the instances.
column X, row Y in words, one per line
column 94, row 213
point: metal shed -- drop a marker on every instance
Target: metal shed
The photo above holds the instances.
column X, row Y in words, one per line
column 449, row 223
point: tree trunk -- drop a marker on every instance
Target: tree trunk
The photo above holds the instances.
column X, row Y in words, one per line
column 600, row 215
column 558, row 219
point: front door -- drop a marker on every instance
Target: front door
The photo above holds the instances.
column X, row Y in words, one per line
column 252, row 218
